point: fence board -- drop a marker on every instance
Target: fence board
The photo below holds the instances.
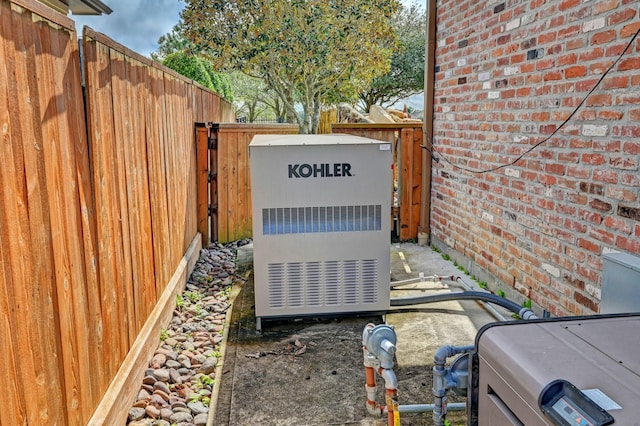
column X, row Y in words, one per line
column 157, row 178
column 62, row 173
column 202, row 150
column 104, row 162
column 122, row 136
column 406, row 139
column 14, row 236
column 234, row 182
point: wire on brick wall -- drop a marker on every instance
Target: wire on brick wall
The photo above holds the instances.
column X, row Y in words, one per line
column 441, row 155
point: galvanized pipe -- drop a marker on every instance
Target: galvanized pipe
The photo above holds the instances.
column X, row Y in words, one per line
column 426, row 408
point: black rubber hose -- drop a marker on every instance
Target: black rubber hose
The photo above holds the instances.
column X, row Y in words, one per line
column 463, row 295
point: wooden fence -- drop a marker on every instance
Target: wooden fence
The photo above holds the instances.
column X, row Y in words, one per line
column 229, row 184
column 406, row 139
column 98, row 221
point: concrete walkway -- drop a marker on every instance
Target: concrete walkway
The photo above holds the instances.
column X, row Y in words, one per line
column 310, row 371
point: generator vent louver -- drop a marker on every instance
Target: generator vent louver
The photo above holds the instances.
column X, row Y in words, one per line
column 301, row 220
column 330, row 283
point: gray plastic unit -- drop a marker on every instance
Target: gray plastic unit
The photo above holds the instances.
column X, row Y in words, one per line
column 321, row 224
column 517, row 360
column 620, row 283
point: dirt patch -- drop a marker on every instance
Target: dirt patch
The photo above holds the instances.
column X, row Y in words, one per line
column 306, row 372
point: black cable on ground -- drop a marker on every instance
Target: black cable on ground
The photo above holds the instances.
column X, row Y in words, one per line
column 466, row 295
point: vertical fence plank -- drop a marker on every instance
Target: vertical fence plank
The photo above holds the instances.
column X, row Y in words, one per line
column 14, row 237
column 233, row 210
column 39, row 317
column 65, row 217
column 157, row 178
column 107, row 205
column 122, row 136
column 406, row 167
column 202, row 149
column 138, row 183
column 416, row 181
column 223, row 186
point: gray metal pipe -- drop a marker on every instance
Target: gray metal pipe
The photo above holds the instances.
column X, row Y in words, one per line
column 440, row 379
column 426, row 408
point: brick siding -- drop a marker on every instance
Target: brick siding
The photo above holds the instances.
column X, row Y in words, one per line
column 508, row 73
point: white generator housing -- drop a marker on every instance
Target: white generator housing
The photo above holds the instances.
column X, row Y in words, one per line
column 321, row 224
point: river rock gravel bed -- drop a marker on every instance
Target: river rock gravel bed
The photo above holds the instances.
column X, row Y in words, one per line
column 177, row 387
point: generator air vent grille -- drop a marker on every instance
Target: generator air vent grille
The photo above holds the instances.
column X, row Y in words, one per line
column 305, row 220
column 328, row 283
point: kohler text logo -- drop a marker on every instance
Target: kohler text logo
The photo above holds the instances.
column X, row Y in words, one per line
column 319, row 170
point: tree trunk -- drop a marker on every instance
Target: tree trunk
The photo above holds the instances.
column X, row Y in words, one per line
column 315, row 117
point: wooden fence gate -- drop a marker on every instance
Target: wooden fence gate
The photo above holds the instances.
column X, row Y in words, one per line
column 224, row 181
column 411, row 201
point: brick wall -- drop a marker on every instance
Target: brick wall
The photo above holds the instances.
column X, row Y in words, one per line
column 508, row 73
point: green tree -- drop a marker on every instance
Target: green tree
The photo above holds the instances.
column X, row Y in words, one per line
column 171, row 42
column 200, row 70
column 248, row 96
column 309, row 52
column 406, row 76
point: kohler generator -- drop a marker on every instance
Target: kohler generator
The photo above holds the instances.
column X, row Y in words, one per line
column 573, row 371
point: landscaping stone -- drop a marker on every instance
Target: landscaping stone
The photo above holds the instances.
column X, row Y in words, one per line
column 177, row 386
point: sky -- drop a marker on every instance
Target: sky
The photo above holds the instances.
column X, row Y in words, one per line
column 136, row 24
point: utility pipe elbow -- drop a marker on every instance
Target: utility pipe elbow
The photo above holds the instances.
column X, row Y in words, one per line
column 447, row 351
column 390, row 379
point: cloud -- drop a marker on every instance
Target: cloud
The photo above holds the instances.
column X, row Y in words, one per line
column 136, row 24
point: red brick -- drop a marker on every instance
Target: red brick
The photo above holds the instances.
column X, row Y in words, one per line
column 621, row 16
column 569, row 59
column 569, row 32
column 600, row 205
column 629, row 30
column 631, row 245
column 578, row 172
column 618, row 193
column 585, row 85
column 631, row 148
column 601, row 99
column 624, row 163
column 593, row 159
column 568, row 4
column 627, row 64
column 588, row 273
column 604, row 6
column 616, row 82
column 620, row 225
column 634, row 114
column 591, row 54
column 610, row 115
column 575, row 71
column 577, row 43
column 588, row 115
column 607, row 146
column 626, row 131
column 605, row 176
column 552, row 76
column 547, row 37
column 603, row 37
column 615, row 50
column 585, row 301
column 631, row 179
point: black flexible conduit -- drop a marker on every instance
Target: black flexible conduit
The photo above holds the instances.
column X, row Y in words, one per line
column 462, row 295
